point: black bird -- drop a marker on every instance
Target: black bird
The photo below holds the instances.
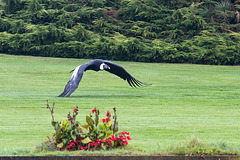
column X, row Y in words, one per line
column 97, row 65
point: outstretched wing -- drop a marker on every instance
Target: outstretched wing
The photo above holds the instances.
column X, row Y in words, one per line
column 122, row 73
column 74, row 81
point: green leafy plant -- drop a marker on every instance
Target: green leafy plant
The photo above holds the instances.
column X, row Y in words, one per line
column 71, row 135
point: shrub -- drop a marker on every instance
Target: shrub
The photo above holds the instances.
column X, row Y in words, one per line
column 196, row 147
column 205, row 32
column 71, row 135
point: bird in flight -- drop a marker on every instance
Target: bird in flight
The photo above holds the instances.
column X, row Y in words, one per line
column 98, row 65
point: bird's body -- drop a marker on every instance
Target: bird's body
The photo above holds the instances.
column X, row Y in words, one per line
column 98, row 65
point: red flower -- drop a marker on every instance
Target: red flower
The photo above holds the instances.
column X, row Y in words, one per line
column 125, row 143
column 122, row 138
column 92, row 144
column 129, row 138
column 85, row 147
column 105, row 120
column 109, row 141
column 98, row 142
column 70, row 145
column 94, row 110
column 75, row 110
column 112, row 138
column 124, row 132
column 64, row 149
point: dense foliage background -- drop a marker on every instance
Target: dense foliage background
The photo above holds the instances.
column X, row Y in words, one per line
column 176, row 31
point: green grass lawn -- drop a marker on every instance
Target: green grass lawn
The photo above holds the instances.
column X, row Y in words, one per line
column 183, row 100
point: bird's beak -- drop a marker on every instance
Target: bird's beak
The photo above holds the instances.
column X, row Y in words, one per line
column 106, row 67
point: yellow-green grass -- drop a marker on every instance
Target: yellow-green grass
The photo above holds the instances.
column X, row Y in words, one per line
column 183, row 100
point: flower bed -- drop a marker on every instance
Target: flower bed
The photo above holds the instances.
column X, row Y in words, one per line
column 71, row 135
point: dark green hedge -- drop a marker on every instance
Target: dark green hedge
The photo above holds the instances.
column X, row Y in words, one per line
column 199, row 32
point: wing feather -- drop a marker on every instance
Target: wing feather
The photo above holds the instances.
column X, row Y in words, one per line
column 136, row 82
column 133, row 84
column 122, row 73
column 117, row 70
column 74, row 81
column 129, row 82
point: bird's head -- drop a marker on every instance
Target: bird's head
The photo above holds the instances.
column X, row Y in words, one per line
column 104, row 66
